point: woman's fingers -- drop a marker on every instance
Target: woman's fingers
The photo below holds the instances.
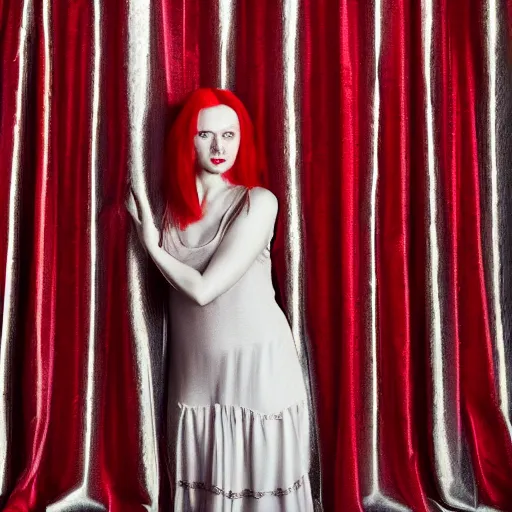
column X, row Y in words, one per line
column 136, row 200
column 142, row 217
column 131, row 206
column 142, row 206
column 134, row 196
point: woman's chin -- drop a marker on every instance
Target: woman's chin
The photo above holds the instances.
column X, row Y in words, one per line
column 217, row 169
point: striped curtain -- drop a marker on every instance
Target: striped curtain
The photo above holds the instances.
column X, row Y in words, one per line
column 386, row 128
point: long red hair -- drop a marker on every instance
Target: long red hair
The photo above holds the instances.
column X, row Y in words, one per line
column 182, row 205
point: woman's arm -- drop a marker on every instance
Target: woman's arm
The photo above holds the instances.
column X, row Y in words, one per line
column 244, row 240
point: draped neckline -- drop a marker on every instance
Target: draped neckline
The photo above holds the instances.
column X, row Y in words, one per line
column 219, row 229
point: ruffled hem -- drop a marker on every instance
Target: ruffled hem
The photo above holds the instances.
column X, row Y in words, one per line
column 246, row 410
column 227, row 453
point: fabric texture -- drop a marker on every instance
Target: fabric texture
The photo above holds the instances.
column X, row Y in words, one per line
column 384, row 129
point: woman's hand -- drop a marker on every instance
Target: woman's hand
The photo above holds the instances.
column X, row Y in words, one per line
column 141, row 215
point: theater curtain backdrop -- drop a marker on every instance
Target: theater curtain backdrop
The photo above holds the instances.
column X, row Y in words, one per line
column 386, row 129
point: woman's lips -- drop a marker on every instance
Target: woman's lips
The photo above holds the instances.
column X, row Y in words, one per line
column 217, row 161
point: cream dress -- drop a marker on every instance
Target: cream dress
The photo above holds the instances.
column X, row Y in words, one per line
column 238, row 416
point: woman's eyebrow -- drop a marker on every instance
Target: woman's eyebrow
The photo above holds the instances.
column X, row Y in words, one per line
column 230, row 127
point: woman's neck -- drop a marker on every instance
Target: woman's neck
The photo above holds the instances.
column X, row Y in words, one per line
column 209, row 185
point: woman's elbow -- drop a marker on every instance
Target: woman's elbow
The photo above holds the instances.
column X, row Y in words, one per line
column 196, row 293
column 201, row 301
column 202, row 296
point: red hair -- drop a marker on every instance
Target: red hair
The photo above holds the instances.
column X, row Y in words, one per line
column 182, row 205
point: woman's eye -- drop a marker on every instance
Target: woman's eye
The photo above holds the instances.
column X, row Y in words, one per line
column 229, row 135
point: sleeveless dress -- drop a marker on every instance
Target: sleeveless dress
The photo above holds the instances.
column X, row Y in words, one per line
column 238, row 420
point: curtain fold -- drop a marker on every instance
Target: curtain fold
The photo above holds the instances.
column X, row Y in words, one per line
column 384, row 128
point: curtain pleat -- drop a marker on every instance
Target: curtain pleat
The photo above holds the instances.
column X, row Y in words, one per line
column 331, row 166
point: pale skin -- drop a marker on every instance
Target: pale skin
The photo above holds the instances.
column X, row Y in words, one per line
column 218, row 137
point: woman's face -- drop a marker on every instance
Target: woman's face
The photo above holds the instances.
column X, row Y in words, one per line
column 217, row 139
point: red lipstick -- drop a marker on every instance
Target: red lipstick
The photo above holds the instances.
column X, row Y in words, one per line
column 217, row 161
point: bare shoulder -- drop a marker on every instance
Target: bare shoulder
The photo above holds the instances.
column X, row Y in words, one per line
column 263, row 199
column 259, row 216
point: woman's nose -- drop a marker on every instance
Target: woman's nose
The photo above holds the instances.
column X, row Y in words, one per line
column 216, row 144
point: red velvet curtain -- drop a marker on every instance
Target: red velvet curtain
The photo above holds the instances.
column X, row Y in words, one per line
column 385, row 126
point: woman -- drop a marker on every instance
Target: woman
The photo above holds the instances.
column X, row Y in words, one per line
column 238, row 416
